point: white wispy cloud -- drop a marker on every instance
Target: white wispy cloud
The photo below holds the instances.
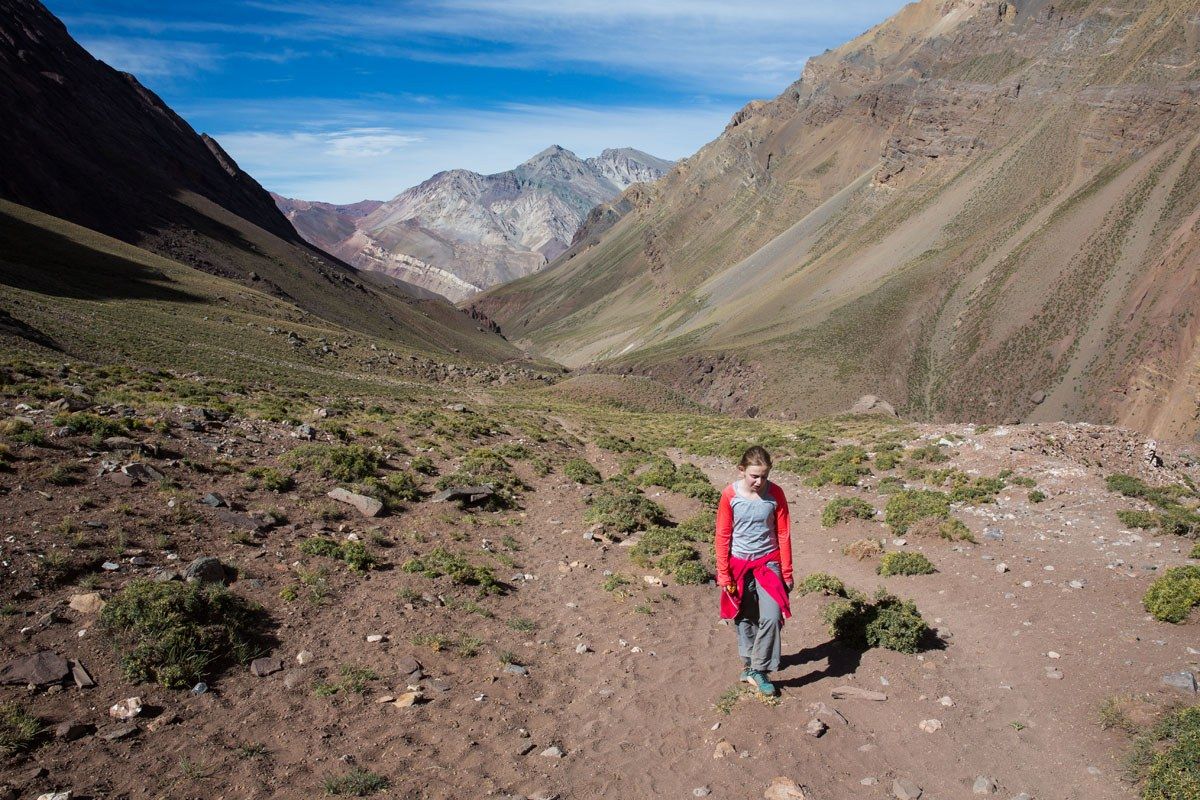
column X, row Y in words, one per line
column 153, row 58
column 350, row 163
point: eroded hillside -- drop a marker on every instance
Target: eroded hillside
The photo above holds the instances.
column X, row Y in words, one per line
column 976, row 209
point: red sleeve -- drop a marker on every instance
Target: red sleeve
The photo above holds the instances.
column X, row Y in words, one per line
column 723, row 541
column 783, row 531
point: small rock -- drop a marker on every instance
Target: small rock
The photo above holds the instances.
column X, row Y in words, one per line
column 1002, row 568
column 161, row 721
column 1185, row 681
column 205, row 569
column 1076, row 584
column 701, row 791
column 930, row 725
column 409, row 699
column 293, row 678
column 39, row 669
column 118, row 732
column 1023, row 796
column 724, row 750
column 993, row 534
column 582, row 648
column 71, row 730
column 110, row 566
column 262, row 667
column 554, row 751
column 816, row 728
column 855, row 693
column 199, row 689
column 213, row 500
column 984, row 785
column 1053, row 654
column 80, row 675
column 946, row 701
column 904, row 789
column 827, row 714
column 526, row 748
column 54, row 796
column 90, row 603
column 869, row 781
column 516, row 669
column 128, row 708
column 304, row 657
column 1054, row 674
column 367, row 506
column 783, row 789
column 375, row 638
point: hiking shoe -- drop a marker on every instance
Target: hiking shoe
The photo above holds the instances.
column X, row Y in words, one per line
column 745, row 676
column 759, row 681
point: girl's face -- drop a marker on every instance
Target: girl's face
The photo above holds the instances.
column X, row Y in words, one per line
column 755, row 476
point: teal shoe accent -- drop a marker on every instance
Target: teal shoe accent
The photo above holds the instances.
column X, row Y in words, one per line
column 745, row 676
column 759, row 681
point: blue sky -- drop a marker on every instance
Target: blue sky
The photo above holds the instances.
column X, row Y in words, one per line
column 341, row 101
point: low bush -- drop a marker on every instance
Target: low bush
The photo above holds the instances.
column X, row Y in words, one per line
column 863, row 549
column 1195, row 552
column 621, row 508
column 1037, row 496
column 1167, row 757
column 342, row 463
column 822, row 582
column 393, row 490
column 700, row 527
column 841, row 509
column 910, row 506
column 357, row 783
column 1132, row 518
column 424, row 465
column 668, row 549
column 929, row 454
column 271, row 479
column 485, row 466
column 686, row 479
column 354, row 554
column 1173, row 596
column 888, row 622
column 581, row 470
column 904, row 563
column 19, row 730
column 975, row 491
column 691, row 573
column 439, row 562
column 84, row 422
column 178, row 633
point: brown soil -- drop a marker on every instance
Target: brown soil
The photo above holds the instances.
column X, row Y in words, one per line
column 635, row 714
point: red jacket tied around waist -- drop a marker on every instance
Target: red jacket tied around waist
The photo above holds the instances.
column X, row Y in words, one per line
column 732, row 571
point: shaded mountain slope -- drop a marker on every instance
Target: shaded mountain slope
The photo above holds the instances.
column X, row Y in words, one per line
column 90, row 145
column 976, row 210
column 460, row 232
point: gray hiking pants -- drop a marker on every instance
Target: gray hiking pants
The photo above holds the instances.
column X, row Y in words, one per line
column 758, row 624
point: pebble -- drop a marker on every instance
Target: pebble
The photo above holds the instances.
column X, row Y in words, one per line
column 126, row 709
column 930, row 725
column 724, row 750
column 783, row 789
column 582, row 648
column 304, row 657
column 904, row 789
column 946, row 701
column 1076, row 584
column 984, row 785
column 869, row 781
column 554, row 751
column 375, row 638
column 1054, row 674
column 701, row 791
column 1002, row 568
column 816, row 728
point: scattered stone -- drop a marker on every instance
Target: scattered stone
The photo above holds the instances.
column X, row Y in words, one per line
column 54, row 796
column 827, row 714
column 121, row 479
column 375, row 638
column 783, row 789
column 701, row 791
column 855, row 693
column 90, row 603
column 1076, row 584
column 904, row 789
column 213, row 500
column 652, row 580
column 1185, row 681
column 409, row 699
column 161, row 721
column 199, row 689
column 407, row 665
column 930, row 725
column 142, row 472
column 526, row 748
column 110, row 566
column 128, row 708
column 582, row 648
column 554, row 751
column 118, row 732
column 367, row 506
column 869, row 781
column 71, row 730
column 262, row 667
column 984, row 785
column 724, row 750
column 293, row 678
column 205, row 569
column 465, row 494
column 1002, row 568
column 1053, row 654
column 993, row 534
column 946, row 701
column 39, row 669
column 304, row 657
column 1054, row 674
column 816, row 728
column 80, row 675
column 516, row 669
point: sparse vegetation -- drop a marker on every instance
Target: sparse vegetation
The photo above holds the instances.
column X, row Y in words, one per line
column 822, row 582
column 889, row 622
column 439, row 562
column 904, row 563
column 354, row 554
column 1172, row 517
column 621, row 508
column 357, row 783
column 1037, row 496
column 19, row 730
column 1166, row 758
column 906, row 508
column 581, row 470
column 177, row 633
column 1172, row 597
column 863, row 549
column 483, row 466
column 841, row 509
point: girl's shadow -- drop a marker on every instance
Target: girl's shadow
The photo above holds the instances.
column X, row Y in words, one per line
column 841, row 660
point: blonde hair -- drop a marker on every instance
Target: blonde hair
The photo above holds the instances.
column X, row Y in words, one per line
column 756, row 456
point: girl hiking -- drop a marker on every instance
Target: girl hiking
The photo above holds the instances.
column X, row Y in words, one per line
column 754, row 565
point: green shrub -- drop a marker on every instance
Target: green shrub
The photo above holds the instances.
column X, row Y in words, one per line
column 271, row 479
column 580, row 470
column 686, row 479
column 930, row 454
column 890, row 485
column 1037, row 496
column 439, row 562
column 424, row 465
column 616, row 444
column 485, row 466
column 354, row 554
column 976, row 491
column 955, row 530
column 393, row 490
column 888, row 459
column 1172, row 597
column 357, row 783
column 904, row 563
column 843, row 467
column 1170, row 757
column 622, row 508
column 342, row 463
column 1131, row 518
column 700, row 527
column 19, row 730
column 1195, row 552
column 691, row 573
column 840, row 509
column 889, row 622
column 822, row 582
column 1023, row 482
column 912, row 505
column 98, row 426
column 177, row 633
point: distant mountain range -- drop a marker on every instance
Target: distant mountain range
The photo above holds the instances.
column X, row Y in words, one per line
column 984, row 211
column 461, row 232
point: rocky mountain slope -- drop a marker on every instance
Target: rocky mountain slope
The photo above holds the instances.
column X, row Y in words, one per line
column 460, row 232
column 976, row 209
column 94, row 148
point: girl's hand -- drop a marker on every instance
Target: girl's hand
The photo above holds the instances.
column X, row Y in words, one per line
column 729, row 588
